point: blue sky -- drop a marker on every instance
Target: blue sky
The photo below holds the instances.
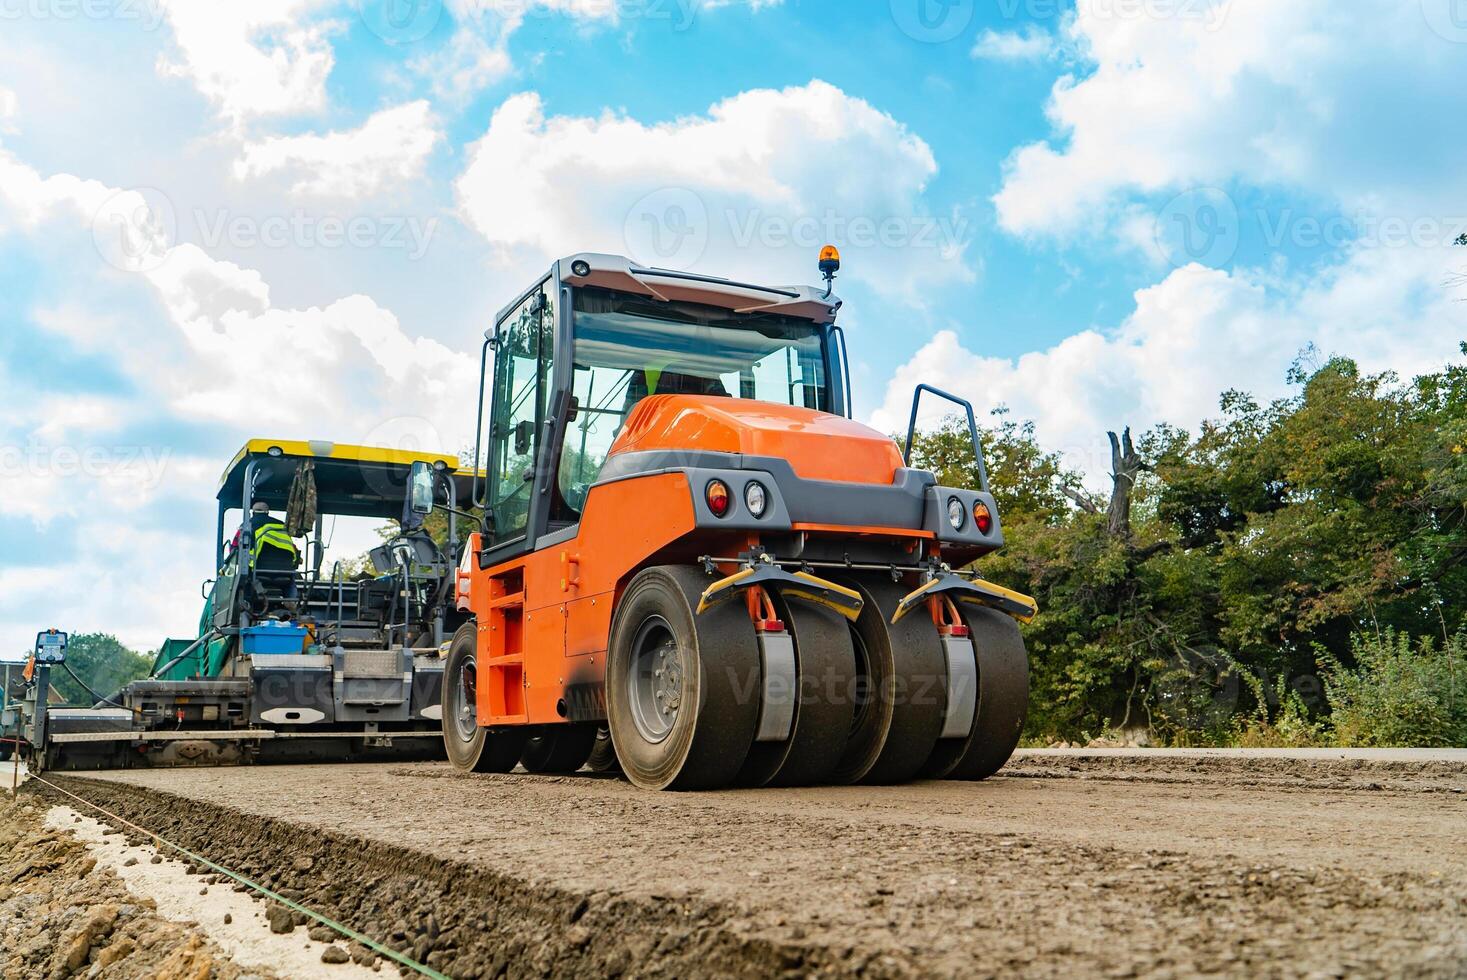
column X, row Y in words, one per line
column 1094, row 212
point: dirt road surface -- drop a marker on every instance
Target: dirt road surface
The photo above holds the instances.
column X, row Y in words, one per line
column 1149, row 864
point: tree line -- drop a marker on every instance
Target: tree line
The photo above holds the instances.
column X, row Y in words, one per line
column 1291, row 573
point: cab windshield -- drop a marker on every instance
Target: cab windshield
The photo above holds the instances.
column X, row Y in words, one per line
column 628, row 347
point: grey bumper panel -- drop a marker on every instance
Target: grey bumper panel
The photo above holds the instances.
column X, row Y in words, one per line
column 968, row 535
column 792, row 500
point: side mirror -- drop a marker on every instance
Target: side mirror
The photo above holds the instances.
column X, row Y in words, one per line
column 50, row 647
column 420, row 496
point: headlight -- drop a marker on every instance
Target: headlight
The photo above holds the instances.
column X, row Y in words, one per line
column 956, row 515
column 756, row 498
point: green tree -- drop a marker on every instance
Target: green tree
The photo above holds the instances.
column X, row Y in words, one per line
column 102, row 662
column 1254, row 556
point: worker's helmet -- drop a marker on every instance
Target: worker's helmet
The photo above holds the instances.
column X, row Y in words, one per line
column 260, row 507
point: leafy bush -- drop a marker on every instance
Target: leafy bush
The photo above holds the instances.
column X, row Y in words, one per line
column 1281, row 721
column 1400, row 692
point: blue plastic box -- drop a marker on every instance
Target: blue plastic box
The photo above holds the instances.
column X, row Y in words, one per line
column 272, row 637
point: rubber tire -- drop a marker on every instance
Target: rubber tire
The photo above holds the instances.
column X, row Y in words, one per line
column 1003, row 694
column 825, row 662
column 908, row 687
column 5, row 751
column 496, row 750
column 706, row 745
column 558, row 749
column 603, row 753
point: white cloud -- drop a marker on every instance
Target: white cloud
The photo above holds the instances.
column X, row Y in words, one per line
column 477, row 54
column 1330, row 107
column 752, row 187
column 1309, row 95
column 348, row 366
column 257, row 59
column 392, row 146
column 1195, row 334
column 1031, row 44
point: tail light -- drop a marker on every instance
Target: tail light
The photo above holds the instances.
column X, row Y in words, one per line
column 982, row 518
column 717, row 497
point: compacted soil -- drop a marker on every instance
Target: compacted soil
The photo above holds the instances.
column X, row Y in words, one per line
column 1144, row 863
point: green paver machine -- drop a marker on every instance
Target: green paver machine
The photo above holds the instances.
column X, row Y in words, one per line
column 294, row 660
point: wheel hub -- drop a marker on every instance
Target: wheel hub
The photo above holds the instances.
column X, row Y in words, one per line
column 655, row 682
column 465, row 710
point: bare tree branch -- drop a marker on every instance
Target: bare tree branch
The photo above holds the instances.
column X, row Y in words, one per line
column 1085, row 503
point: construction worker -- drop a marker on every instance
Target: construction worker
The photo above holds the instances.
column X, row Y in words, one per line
column 653, row 381
column 274, row 557
column 271, row 547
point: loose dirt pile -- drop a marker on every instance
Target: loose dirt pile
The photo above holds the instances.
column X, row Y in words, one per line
column 61, row 915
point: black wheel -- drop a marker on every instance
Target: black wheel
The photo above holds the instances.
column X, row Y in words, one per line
column 469, row 747
column 603, row 753
column 900, row 691
column 5, row 752
column 1003, row 695
column 558, row 748
column 825, row 665
column 682, row 689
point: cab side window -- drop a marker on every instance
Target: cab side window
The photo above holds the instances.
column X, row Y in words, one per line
column 522, row 362
column 601, row 399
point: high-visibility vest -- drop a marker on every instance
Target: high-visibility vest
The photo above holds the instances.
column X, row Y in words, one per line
column 272, row 533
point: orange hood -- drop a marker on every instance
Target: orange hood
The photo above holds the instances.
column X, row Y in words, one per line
column 818, row 446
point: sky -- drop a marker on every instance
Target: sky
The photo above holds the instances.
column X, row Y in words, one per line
column 295, row 219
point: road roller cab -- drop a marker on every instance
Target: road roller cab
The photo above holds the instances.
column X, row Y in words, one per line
column 696, row 565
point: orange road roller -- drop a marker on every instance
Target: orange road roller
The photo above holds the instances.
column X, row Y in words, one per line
column 695, row 567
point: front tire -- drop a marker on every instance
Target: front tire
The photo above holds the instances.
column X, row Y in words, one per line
column 1003, row 693
column 682, row 689
column 902, row 691
column 470, row 747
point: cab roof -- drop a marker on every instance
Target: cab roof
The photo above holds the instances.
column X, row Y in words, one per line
column 624, row 275
column 359, row 481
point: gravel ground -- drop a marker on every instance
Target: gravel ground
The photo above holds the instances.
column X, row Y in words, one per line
column 1151, row 864
column 63, row 913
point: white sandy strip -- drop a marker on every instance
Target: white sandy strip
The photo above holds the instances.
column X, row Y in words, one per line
column 247, row 938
